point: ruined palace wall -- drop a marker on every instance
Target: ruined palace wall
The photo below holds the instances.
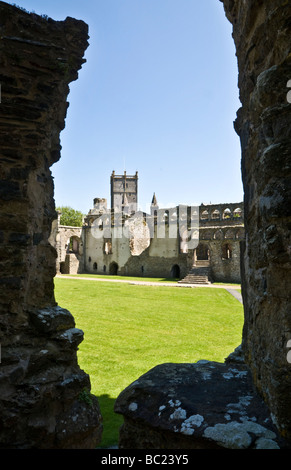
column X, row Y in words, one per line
column 225, row 269
column 156, row 266
column 68, row 261
column 222, row 241
column 132, row 249
column 40, row 379
column 145, row 246
column 98, row 257
column 162, row 254
column 222, row 230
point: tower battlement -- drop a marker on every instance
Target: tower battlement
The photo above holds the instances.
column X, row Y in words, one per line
column 124, row 192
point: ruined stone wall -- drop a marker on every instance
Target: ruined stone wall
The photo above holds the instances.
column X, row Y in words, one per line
column 261, row 31
column 225, row 269
column 72, row 264
column 67, row 262
column 132, row 249
column 98, row 257
column 222, row 229
column 150, row 246
column 156, row 266
column 219, row 241
column 42, row 388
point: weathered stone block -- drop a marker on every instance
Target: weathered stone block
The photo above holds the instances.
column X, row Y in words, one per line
column 201, row 405
column 52, row 319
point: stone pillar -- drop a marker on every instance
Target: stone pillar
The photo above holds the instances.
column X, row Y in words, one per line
column 261, row 31
column 45, row 399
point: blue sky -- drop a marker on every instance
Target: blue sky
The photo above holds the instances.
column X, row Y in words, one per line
column 158, row 95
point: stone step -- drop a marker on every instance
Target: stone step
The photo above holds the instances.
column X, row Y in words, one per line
column 197, row 275
column 194, row 280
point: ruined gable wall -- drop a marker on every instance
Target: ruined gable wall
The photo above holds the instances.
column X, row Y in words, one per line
column 223, row 269
column 261, row 31
column 68, row 262
column 40, row 380
column 156, row 266
column 221, row 225
column 163, row 252
column 94, row 250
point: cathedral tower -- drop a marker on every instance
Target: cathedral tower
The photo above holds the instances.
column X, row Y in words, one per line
column 124, row 192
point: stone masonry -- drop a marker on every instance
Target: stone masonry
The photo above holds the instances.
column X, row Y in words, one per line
column 45, row 399
column 261, row 31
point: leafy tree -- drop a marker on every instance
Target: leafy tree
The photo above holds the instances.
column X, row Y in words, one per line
column 70, row 216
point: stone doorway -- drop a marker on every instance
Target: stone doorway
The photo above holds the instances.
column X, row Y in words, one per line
column 113, row 269
column 175, row 271
column 202, row 255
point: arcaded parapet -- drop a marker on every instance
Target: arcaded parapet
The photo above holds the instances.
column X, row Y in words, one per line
column 261, row 31
column 45, row 399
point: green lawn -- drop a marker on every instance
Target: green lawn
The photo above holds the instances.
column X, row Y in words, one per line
column 128, row 329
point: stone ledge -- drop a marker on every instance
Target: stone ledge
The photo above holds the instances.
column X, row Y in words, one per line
column 201, row 405
column 52, row 319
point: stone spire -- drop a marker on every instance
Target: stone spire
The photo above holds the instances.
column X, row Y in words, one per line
column 154, row 205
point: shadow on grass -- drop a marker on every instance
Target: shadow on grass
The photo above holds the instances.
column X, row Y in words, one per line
column 111, row 422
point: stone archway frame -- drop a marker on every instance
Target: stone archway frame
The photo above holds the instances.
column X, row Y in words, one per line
column 113, row 268
column 175, row 271
column 45, row 389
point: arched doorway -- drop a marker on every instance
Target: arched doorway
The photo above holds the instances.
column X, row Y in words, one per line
column 73, row 245
column 202, row 252
column 175, row 271
column 113, row 269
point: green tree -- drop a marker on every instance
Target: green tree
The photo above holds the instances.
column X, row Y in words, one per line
column 70, row 216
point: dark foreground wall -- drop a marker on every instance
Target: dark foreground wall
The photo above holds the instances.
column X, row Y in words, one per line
column 45, row 399
column 261, row 31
